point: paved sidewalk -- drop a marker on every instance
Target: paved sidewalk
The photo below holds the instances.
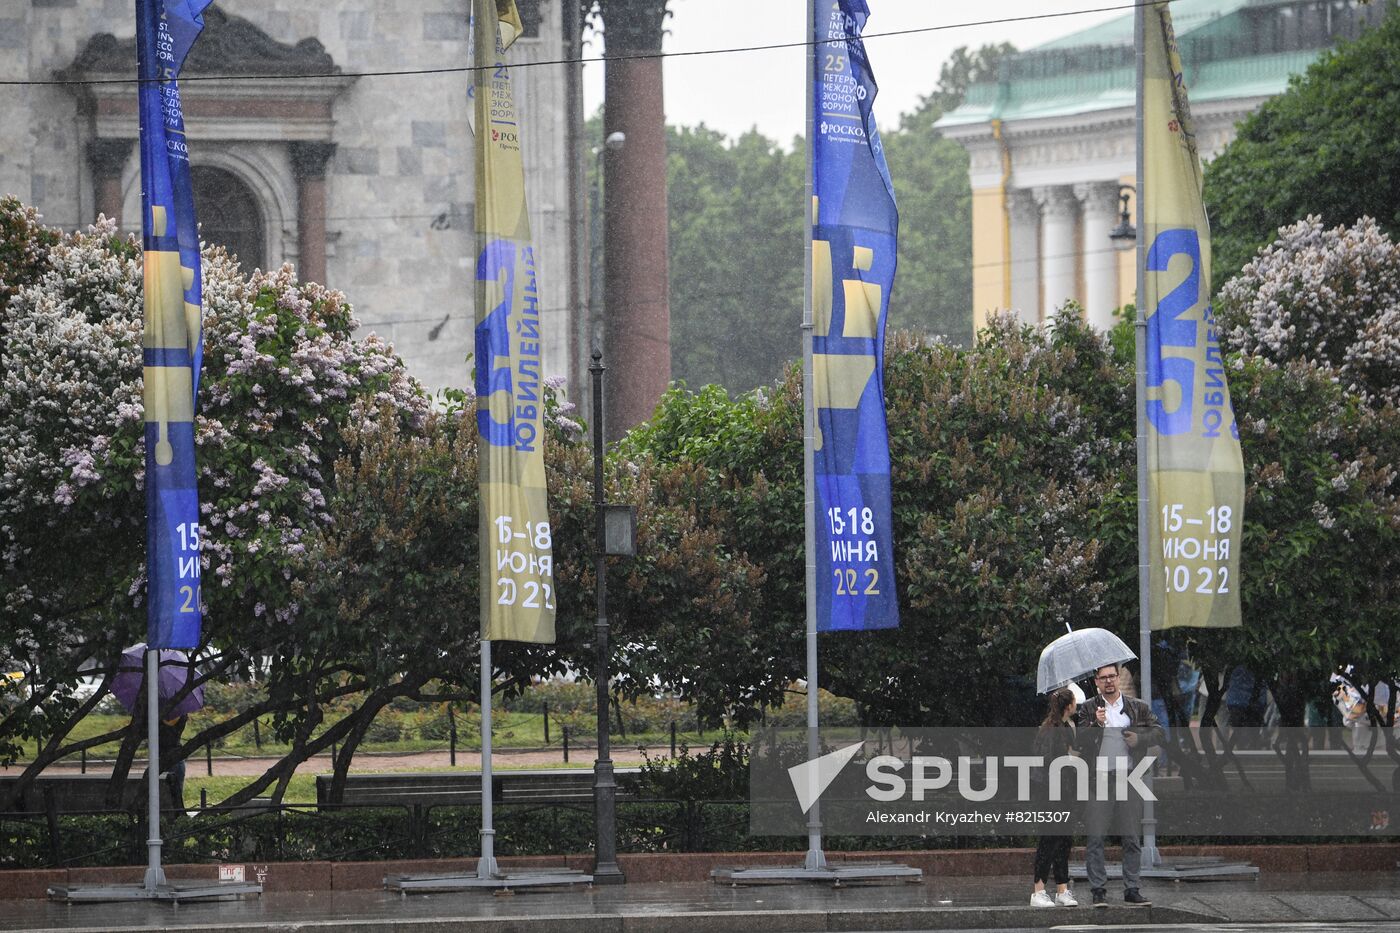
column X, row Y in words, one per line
column 1367, row 900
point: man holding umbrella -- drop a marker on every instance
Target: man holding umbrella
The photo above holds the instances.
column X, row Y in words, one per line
column 1118, row 730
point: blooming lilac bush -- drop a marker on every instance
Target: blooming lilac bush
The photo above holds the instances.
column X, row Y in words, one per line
column 1325, row 296
column 284, row 376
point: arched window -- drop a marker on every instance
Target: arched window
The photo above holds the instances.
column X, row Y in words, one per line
column 228, row 215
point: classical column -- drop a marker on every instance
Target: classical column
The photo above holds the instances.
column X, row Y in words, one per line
column 309, row 165
column 107, row 160
column 1099, row 203
column 637, row 326
column 1058, row 208
column 1025, row 256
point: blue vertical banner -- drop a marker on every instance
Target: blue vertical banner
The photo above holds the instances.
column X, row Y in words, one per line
column 172, row 346
column 855, row 227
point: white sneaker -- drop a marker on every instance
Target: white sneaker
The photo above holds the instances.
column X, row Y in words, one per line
column 1066, row 899
column 1042, row 899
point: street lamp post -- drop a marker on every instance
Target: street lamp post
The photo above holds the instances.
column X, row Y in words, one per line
column 605, row 868
column 1124, row 236
column 597, row 297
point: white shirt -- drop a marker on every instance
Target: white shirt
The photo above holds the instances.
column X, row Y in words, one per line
column 1116, row 718
column 1113, row 752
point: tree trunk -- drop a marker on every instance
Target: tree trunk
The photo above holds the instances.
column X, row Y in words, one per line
column 636, row 285
column 340, row 767
column 363, row 717
column 53, row 749
column 121, row 767
column 283, row 769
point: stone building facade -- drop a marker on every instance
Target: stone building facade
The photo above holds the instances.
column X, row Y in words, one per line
column 362, row 181
column 1052, row 141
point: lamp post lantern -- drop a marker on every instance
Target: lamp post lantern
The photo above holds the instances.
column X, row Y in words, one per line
column 1124, row 236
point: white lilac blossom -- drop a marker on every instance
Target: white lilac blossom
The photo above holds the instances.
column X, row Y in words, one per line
column 1325, row 296
column 283, row 376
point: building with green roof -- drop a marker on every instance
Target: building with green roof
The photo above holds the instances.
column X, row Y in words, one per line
column 1052, row 140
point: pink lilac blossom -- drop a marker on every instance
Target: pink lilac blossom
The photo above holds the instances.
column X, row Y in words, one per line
column 283, row 375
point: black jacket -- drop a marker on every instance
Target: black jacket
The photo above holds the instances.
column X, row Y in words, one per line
column 1140, row 721
column 1051, row 742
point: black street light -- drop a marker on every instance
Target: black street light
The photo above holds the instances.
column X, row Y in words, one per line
column 615, row 532
column 1124, row 236
column 596, row 297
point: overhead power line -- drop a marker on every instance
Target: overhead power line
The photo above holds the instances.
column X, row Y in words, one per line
column 638, row 56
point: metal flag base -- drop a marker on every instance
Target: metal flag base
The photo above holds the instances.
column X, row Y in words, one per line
column 499, row 881
column 835, row 874
column 1202, row 868
column 172, row 892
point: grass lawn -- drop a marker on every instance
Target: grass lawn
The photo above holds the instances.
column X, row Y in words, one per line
column 301, row 789
column 509, row 730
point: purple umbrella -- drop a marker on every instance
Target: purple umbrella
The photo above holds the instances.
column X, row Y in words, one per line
column 130, row 679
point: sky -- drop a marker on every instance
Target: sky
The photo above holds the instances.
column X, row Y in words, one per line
column 740, row 90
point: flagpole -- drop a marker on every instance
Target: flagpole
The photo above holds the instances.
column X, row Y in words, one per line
column 1149, row 823
column 155, row 875
column 816, row 858
column 486, row 865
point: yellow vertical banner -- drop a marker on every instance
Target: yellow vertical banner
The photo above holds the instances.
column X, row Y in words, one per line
column 1195, row 468
column 517, row 565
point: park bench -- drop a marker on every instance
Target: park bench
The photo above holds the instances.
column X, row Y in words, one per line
column 463, row 788
column 75, row 793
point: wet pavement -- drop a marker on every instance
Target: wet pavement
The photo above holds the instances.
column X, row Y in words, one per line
column 1367, row 901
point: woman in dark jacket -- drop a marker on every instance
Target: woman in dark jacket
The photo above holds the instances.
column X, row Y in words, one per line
column 1055, row 739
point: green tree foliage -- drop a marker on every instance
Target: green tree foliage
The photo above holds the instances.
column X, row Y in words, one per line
column 283, row 378
column 933, row 288
column 1015, row 513
column 1327, row 146
column 736, row 257
column 1322, row 522
column 1316, row 320
column 1005, row 459
column 736, row 233
column 964, row 68
column 342, row 513
column 341, row 565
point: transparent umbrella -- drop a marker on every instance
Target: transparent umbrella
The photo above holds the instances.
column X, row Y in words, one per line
column 1071, row 657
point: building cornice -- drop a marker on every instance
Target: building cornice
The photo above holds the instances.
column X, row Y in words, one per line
column 1082, row 147
column 228, row 45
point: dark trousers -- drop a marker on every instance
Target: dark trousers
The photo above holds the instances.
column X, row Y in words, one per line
column 1123, row 818
column 175, row 779
column 1052, row 859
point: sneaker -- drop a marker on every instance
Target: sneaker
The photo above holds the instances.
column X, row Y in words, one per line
column 1066, row 899
column 1100, row 897
column 1133, row 898
column 1042, row 899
